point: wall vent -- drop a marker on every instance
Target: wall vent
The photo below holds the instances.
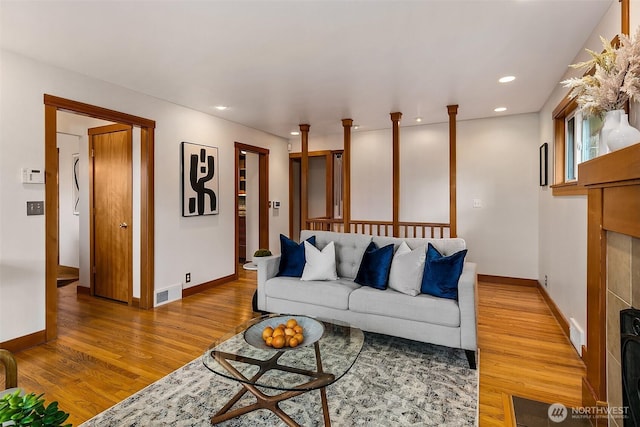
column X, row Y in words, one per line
column 168, row 294
column 576, row 335
column 162, row 297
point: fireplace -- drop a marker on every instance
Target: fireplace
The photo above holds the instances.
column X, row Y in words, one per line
column 612, row 182
column 630, row 359
column 623, row 328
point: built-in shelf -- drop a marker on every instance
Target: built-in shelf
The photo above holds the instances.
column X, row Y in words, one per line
column 242, row 195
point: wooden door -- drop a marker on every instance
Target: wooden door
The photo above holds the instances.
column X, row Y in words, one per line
column 111, row 208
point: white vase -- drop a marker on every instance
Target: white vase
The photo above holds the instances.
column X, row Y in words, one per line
column 611, row 122
column 622, row 135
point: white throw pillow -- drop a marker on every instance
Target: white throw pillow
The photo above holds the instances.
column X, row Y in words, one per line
column 319, row 265
column 407, row 268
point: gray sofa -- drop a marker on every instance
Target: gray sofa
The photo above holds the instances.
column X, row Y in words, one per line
column 422, row 318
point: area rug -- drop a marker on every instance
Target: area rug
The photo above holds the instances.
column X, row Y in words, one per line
column 394, row 382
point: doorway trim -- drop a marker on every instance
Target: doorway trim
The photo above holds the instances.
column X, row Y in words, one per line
column 147, row 130
column 263, row 196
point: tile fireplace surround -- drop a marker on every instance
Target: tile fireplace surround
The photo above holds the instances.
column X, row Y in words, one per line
column 613, row 271
column 623, row 292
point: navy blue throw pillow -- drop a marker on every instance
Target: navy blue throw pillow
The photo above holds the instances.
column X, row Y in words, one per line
column 441, row 273
column 292, row 257
column 375, row 266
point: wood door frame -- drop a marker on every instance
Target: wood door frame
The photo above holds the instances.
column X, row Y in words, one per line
column 297, row 157
column 92, row 253
column 263, row 197
column 147, row 132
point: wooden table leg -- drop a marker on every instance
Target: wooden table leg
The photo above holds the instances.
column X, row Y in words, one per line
column 323, row 390
column 271, row 403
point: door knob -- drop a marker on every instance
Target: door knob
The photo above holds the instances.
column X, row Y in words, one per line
column 123, row 225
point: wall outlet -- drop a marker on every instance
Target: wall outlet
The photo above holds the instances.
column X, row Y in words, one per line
column 546, row 281
column 187, row 277
column 477, row 203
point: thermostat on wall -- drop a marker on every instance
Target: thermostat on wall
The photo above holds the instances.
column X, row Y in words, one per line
column 32, row 176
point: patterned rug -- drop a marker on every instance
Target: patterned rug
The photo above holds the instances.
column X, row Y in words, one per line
column 394, row 382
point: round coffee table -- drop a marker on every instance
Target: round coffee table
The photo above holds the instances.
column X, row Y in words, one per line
column 310, row 366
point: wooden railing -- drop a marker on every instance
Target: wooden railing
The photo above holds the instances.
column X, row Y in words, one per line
column 432, row 230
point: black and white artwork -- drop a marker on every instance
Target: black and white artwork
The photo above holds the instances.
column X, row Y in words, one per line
column 199, row 180
column 75, row 189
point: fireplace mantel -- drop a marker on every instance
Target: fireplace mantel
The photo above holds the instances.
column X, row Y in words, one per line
column 613, row 187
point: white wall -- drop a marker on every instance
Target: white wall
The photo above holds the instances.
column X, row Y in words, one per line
column 198, row 245
column 372, row 176
column 563, row 220
column 69, row 224
column 497, row 163
column 424, row 173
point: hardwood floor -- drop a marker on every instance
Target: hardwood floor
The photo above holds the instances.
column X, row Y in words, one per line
column 523, row 352
column 107, row 351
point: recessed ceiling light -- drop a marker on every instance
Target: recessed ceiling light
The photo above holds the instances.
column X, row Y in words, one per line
column 295, row 133
column 356, row 127
column 500, row 109
column 506, row 79
column 221, row 107
column 418, row 119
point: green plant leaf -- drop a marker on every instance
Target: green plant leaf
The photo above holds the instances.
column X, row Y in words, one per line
column 27, row 420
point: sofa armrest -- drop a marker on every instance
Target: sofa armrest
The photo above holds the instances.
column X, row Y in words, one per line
column 467, row 286
column 267, row 269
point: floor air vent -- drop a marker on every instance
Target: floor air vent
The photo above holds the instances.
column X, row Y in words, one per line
column 168, row 294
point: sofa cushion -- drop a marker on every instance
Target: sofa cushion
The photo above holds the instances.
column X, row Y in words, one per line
column 349, row 249
column 407, row 268
column 441, row 273
column 444, row 246
column 292, row 258
column 334, row 293
column 420, row 308
column 375, row 265
column 320, row 265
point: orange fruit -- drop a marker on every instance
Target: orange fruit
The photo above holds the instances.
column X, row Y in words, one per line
column 299, row 338
column 281, row 326
column 277, row 332
column 293, row 342
column 298, row 329
column 269, row 341
column 289, row 331
column 291, row 323
column 268, row 331
column 278, row 341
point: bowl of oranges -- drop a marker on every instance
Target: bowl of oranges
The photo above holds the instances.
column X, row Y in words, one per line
column 284, row 332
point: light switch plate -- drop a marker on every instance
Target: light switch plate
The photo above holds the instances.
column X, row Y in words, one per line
column 35, row 208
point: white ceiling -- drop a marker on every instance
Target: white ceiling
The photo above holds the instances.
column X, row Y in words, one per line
column 277, row 64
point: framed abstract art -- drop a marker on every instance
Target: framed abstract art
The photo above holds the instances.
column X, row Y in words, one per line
column 200, row 182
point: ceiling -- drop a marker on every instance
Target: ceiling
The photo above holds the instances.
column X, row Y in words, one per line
column 277, row 64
